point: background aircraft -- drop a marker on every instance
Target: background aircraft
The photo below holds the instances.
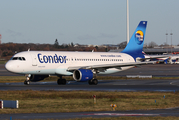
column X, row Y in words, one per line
column 166, row 59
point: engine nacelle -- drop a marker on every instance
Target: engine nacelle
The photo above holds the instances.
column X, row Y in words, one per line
column 35, row 78
column 82, row 75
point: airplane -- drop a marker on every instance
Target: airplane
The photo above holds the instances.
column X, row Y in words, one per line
column 83, row 66
column 165, row 58
column 158, row 58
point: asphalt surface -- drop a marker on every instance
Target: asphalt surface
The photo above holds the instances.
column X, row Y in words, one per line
column 137, row 113
column 103, row 85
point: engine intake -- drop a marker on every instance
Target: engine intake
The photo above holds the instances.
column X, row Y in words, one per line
column 82, row 75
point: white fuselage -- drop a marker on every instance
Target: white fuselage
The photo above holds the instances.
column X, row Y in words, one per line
column 58, row 62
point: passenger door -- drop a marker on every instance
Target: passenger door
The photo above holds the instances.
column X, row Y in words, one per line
column 34, row 60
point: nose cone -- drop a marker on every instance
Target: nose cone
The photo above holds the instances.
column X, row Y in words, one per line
column 9, row 67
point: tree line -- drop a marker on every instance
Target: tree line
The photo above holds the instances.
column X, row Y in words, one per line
column 7, row 50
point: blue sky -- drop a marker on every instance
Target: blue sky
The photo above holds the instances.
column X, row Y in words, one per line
column 86, row 21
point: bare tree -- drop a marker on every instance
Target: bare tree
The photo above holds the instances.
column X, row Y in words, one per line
column 56, row 44
column 152, row 44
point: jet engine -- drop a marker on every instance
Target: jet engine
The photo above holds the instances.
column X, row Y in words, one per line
column 82, row 75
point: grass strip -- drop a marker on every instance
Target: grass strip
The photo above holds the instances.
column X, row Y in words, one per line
column 122, row 118
column 3, row 61
column 80, row 101
column 12, row 79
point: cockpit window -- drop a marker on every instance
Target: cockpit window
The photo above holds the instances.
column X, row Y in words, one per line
column 18, row 58
column 14, row 58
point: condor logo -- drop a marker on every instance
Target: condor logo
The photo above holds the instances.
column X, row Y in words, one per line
column 51, row 59
column 139, row 37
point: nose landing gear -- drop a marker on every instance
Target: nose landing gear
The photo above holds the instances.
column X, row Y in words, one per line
column 27, row 81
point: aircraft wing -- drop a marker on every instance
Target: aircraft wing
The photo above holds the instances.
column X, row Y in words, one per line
column 106, row 66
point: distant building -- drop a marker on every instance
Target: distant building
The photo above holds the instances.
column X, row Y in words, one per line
column 155, row 51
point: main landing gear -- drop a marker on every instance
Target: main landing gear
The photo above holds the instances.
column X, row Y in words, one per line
column 93, row 82
column 61, row 81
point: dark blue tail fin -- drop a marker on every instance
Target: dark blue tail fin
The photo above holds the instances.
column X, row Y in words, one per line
column 135, row 45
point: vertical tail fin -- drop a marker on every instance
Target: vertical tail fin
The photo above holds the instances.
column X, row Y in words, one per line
column 135, row 45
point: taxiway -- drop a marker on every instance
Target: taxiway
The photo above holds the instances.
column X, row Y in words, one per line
column 103, row 85
column 137, row 113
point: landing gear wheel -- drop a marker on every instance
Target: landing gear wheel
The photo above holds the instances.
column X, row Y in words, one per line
column 26, row 82
column 93, row 82
column 90, row 82
column 61, row 81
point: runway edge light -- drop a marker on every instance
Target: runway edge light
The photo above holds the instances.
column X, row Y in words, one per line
column 113, row 106
column 94, row 99
column 1, row 104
